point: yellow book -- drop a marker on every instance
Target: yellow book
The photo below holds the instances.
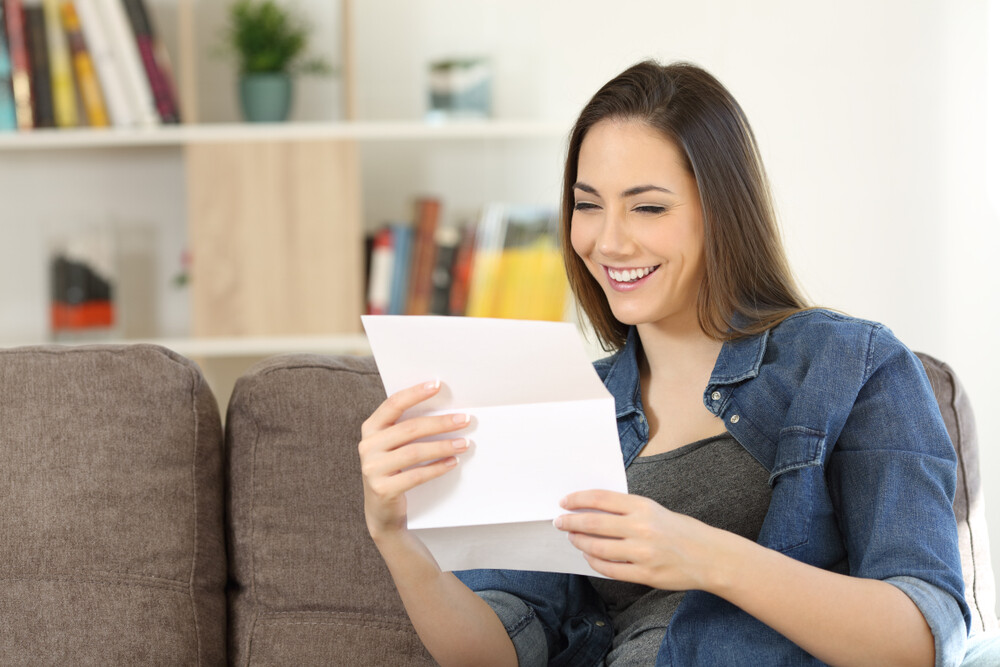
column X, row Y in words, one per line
column 83, row 66
column 60, row 69
column 482, row 292
column 517, row 271
column 532, row 282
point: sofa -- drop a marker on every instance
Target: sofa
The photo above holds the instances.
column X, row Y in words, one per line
column 136, row 530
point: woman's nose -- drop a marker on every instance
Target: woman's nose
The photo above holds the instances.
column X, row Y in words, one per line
column 614, row 239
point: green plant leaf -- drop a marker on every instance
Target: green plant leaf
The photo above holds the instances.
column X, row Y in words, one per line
column 266, row 37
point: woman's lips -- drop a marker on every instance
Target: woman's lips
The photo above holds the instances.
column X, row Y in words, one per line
column 642, row 275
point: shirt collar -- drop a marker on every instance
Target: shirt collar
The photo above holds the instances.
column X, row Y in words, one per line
column 739, row 359
column 622, row 379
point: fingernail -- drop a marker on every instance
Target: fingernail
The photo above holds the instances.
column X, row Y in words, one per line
column 562, row 503
column 432, row 385
column 450, row 462
column 557, row 522
column 461, row 419
column 459, row 443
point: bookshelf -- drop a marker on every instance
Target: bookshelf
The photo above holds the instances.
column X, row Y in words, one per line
column 366, row 131
column 273, row 257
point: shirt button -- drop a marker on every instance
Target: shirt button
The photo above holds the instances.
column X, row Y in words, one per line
column 716, row 395
column 599, row 624
column 734, row 419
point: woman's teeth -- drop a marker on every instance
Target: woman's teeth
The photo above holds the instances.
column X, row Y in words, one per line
column 630, row 275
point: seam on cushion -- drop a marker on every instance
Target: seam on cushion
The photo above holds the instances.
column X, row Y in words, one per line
column 366, row 618
column 379, row 626
column 251, row 404
column 959, row 450
column 194, row 502
column 179, row 583
column 181, row 590
column 304, row 365
column 127, row 348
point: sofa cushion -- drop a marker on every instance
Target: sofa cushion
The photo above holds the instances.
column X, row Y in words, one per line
column 970, row 510
column 111, row 539
column 307, row 585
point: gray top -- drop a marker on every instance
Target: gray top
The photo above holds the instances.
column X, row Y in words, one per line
column 714, row 480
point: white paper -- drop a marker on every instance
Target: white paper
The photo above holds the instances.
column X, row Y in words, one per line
column 543, row 426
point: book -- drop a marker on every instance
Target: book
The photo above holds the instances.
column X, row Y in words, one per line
column 462, row 271
column 38, row 62
column 138, row 92
column 60, row 68
column 109, row 74
column 447, row 240
column 8, row 113
column 20, row 73
column 425, row 226
column 517, row 269
column 402, row 243
column 83, row 66
column 380, row 273
column 490, row 235
column 149, row 47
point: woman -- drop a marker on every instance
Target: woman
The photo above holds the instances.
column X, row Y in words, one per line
column 791, row 480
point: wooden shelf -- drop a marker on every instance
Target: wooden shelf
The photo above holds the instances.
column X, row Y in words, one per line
column 181, row 135
column 249, row 346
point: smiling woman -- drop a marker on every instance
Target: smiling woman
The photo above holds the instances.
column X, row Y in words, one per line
column 694, row 134
column 638, row 236
column 790, row 477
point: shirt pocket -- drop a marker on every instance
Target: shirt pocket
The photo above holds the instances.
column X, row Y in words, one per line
column 797, row 480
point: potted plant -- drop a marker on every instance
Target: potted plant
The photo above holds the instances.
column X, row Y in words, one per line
column 269, row 43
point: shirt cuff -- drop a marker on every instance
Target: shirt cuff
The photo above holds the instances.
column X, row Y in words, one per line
column 522, row 625
column 942, row 614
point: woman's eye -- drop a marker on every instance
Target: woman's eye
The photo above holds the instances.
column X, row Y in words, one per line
column 651, row 210
column 585, row 206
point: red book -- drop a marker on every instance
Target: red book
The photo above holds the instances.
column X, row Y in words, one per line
column 380, row 273
column 427, row 211
column 20, row 75
column 462, row 271
column 156, row 70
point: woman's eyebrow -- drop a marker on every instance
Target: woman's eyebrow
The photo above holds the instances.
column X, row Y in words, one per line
column 640, row 189
column 631, row 192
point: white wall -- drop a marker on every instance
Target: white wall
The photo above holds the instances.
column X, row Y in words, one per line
column 871, row 117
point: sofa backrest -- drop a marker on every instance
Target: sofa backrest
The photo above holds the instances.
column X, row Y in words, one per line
column 111, row 541
column 970, row 510
column 309, row 584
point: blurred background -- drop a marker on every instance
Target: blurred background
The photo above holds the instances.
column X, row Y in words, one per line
column 879, row 123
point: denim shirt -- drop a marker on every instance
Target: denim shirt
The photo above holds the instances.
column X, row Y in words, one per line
column 862, row 473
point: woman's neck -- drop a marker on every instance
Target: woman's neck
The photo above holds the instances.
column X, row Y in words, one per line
column 677, row 353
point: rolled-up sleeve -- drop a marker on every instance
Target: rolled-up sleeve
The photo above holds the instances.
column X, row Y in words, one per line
column 943, row 616
column 523, row 626
column 552, row 618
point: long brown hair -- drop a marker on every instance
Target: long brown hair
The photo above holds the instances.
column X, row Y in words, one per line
column 748, row 286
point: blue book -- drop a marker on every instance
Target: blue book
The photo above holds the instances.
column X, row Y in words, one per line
column 8, row 117
column 402, row 242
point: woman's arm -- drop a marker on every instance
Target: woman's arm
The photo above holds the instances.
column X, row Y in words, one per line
column 839, row 619
column 455, row 624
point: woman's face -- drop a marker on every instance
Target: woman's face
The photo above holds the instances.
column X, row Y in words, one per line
column 637, row 223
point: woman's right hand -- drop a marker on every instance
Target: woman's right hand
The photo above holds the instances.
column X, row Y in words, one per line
column 392, row 463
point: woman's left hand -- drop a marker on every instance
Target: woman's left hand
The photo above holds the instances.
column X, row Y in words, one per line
column 632, row 538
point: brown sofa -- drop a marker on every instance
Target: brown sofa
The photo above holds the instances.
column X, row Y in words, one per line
column 132, row 531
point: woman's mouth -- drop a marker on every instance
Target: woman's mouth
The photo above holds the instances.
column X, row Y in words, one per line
column 625, row 279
